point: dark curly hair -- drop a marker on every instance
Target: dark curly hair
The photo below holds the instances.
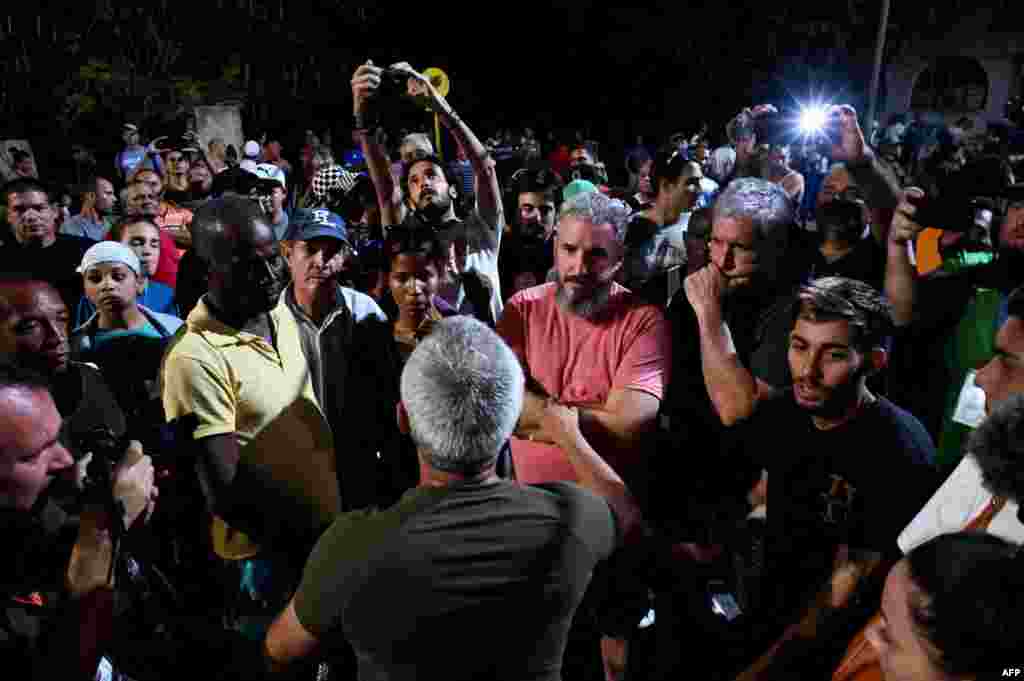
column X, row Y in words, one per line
column 970, row 602
column 998, row 447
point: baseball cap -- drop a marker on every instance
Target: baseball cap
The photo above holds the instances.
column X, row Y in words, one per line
column 309, row 224
column 268, row 171
column 130, row 127
column 251, row 149
column 109, row 251
column 578, row 187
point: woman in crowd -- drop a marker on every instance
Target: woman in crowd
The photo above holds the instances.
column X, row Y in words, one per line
column 952, row 609
column 415, row 261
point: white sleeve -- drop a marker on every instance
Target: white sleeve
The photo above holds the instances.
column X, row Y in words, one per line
column 955, row 504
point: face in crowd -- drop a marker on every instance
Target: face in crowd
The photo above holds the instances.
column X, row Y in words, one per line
column 1011, row 232
column 1003, row 376
column 587, row 258
column 33, row 218
column 250, row 280
column 826, row 366
column 34, row 326
column 144, row 239
column 106, row 198
column 30, row 454
column 414, row 280
column 142, row 200
column 112, row 287
column 177, row 163
column 316, row 262
column 200, row 180
column 536, row 214
column 733, row 250
column 429, row 190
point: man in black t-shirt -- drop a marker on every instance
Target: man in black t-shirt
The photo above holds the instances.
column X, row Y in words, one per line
column 846, row 469
column 469, row 576
column 37, row 248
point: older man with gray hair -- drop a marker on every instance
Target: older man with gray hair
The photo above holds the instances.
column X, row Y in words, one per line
column 466, row 559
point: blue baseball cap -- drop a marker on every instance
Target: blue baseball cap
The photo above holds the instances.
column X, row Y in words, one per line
column 307, row 224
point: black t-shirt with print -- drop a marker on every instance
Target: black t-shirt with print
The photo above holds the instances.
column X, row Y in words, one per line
column 858, row 484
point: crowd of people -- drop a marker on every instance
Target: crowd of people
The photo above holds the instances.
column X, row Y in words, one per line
column 516, row 416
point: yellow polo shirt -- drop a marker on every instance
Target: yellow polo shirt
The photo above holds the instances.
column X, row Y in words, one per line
column 236, row 382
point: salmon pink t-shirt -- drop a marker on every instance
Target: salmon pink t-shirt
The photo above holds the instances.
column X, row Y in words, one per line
column 579, row 362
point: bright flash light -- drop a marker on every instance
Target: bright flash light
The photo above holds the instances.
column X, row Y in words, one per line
column 812, row 120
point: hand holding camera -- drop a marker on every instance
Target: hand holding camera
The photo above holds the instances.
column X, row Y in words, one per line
column 904, row 228
column 134, row 484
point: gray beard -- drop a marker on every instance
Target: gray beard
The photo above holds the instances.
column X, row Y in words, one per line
column 590, row 308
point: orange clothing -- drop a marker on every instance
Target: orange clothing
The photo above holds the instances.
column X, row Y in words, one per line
column 927, row 250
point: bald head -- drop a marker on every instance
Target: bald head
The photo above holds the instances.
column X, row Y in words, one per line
column 246, row 272
column 33, row 325
column 219, row 226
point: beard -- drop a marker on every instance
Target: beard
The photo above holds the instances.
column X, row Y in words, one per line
column 838, row 399
column 433, row 210
column 591, row 306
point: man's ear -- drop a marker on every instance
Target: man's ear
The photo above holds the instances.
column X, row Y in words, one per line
column 403, row 418
column 452, row 192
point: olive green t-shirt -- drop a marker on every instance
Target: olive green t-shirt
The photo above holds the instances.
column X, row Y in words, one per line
column 475, row 580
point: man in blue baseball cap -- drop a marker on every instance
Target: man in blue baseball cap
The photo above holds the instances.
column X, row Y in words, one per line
column 347, row 340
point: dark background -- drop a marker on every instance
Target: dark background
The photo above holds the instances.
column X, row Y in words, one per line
column 610, row 71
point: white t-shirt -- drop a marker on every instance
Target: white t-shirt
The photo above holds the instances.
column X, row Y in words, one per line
column 482, row 248
column 957, row 502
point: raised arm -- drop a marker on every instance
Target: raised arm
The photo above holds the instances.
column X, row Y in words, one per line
column 365, row 83
column 876, row 180
column 900, row 274
column 488, row 191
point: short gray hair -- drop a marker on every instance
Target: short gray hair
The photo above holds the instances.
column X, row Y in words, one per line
column 420, row 140
column 600, row 210
column 764, row 203
column 462, row 388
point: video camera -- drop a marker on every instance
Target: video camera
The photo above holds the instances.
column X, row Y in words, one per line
column 390, row 105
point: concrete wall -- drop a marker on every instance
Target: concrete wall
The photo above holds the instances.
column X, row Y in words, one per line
column 994, row 51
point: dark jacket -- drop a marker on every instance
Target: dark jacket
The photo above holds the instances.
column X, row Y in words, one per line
column 354, row 379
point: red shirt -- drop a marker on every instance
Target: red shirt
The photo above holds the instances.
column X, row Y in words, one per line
column 579, row 362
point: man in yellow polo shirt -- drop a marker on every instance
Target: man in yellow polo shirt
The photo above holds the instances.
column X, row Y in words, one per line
column 239, row 375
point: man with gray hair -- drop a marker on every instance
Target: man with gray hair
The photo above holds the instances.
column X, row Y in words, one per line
column 589, row 343
column 465, row 559
column 584, row 340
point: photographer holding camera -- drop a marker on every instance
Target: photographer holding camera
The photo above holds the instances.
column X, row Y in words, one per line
column 430, row 194
column 949, row 318
column 57, row 583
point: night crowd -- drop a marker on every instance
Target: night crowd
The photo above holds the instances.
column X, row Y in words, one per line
column 513, row 411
